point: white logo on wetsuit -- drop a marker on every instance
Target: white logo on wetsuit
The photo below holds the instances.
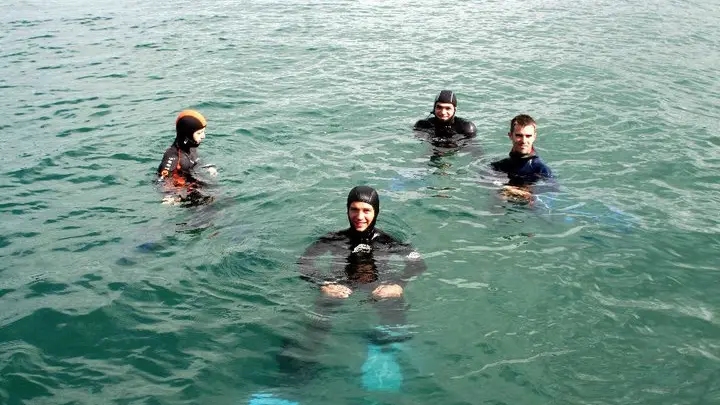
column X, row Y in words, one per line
column 362, row 248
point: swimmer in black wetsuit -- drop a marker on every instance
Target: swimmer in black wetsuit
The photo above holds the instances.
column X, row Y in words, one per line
column 443, row 123
column 363, row 258
column 446, row 132
column 365, row 251
column 177, row 169
column 523, row 167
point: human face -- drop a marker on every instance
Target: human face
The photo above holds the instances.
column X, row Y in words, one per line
column 444, row 111
column 361, row 215
column 199, row 135
column 523, row 138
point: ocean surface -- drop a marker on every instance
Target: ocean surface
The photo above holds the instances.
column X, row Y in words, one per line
column 605, row 292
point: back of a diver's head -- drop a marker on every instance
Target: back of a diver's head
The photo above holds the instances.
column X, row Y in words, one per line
column 446, row 96
column 365, row 194
column 186, row 124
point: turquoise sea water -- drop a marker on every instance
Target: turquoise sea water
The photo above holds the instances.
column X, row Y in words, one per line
column 607, row 296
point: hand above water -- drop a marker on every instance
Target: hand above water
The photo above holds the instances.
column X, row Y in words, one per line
column 387, row 291
column 516, row 192
column 171, row 200
column 336, row 290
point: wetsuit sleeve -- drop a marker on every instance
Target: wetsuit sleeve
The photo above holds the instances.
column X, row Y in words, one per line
column 545, row 172
column 499, row 165
column 549, row 183
column 308, row 270
column 469, row 129
column 168, row 163
column 423, row 125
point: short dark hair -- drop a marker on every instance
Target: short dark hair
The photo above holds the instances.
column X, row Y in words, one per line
column 522, row 120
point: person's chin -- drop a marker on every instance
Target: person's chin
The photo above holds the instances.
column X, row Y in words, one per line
column 360, row 228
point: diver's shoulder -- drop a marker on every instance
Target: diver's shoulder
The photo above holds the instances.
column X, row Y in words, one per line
column 465, row 126
column 385, row 238
column 540, row 166
column 464, row 121
column 424, row 124
column 501, row 164
column 334, row 236
column 172, row 150
column 169, row 160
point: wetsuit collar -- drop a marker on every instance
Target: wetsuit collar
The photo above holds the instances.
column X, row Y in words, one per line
column 364, row 237
column 184, row 144
column 517, row 155
column 439, row 122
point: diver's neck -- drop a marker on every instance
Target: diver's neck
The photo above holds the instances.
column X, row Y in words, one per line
column 365, row 236
column 520, row 155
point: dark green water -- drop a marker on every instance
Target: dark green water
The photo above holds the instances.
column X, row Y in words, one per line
column 608, row 297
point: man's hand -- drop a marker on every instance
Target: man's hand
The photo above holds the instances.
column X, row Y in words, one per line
column 212, row 171
column 171, row 200
column 517, row 193
column 387, row 291
column 336, row 290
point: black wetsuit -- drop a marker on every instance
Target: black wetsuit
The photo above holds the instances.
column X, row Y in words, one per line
column 177, row 169
column 447, row 129
column 361, row 261
column 523, row 169
column 447, row 138
column 178, row 162
column 364, row 259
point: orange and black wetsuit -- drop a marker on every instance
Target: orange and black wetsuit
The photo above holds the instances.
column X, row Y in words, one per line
column 178, row 165
column 177, row 169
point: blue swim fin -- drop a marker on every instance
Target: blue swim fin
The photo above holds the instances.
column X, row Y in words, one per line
column 381, row 372
column 269, row 399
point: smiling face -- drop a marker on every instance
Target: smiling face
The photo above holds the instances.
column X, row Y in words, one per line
column 361, row 215
column 444, row 111
column 523, row 138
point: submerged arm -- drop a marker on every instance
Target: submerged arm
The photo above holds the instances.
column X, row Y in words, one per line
column 473, row 147
column 308, row 270
column 547, row 183
column 414, row 264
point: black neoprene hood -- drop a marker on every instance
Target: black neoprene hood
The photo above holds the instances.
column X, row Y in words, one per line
column 367, row 195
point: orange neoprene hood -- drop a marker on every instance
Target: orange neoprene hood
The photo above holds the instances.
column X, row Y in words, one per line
column 201, row 121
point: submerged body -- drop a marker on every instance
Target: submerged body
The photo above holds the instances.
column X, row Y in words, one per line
column 363, row 260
